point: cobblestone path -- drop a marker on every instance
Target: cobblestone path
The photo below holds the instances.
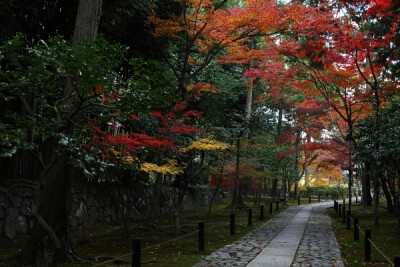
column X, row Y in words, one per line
column 318, row 246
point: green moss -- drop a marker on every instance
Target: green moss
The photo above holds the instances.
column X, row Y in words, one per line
column 110, row 240
column 385, row 236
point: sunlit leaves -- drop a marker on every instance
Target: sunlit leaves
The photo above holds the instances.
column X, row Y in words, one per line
column 206, row 144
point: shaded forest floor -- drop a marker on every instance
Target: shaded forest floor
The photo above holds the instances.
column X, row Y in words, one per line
column 385, row 236
column 101, row 242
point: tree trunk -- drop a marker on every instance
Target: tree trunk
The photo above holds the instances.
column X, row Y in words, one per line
column 279, row 126
column 237, row 199
column 366, row 187
column 220, row 179
column 388, row 196
column 285, row 189
column 274, row 191
column 376, row 198
column 155, row 199
column 87, row 21
column 213, row 196
column 41, row 249
column 182, row 184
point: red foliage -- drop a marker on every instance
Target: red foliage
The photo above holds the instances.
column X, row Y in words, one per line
column 134, row 117
column 192, row 114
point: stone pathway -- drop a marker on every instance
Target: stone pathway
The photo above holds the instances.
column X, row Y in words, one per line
column 280, row 241
column 319, row 246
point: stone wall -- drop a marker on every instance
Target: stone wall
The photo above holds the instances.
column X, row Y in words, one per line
column 91, row 204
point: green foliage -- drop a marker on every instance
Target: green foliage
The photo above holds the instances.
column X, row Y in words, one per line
column 151, row 87
column 37, row 112
column 386, row 138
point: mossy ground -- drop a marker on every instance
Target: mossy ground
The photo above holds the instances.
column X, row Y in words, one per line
column 104, row 240
column 386, row 236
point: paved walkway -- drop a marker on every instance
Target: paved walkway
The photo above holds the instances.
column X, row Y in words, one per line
column 299, row 236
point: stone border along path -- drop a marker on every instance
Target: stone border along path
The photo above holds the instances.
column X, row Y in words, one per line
column 299, row 236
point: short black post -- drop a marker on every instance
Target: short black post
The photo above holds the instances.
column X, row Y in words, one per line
column 356, row 233
column 201, row 235
column 270, row 207
column 367, row 245
column 356, row 200
column 319, row 198
column 396, row 261
column 261, row 212
column 298, row 201
column 250, row 218
column 348, row 220
column 232, row 224
column 344, row 204
column 344, row 214
column 335, row 206
column 340, row 210
column 309, row 200
column 136, row 252
column 277, row 205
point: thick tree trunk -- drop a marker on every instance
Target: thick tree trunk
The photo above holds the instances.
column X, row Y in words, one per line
column 274, row 191
column 87, row 21
column 366, row 187
column 41, row 249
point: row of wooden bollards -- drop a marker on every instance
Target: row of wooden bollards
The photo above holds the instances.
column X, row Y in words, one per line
column 309, row 200
column 136, row 245
column 250, row 215
column 340, row 209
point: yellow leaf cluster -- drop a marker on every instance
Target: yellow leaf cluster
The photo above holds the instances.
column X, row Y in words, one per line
column 171, row 168
column 204, row 87
column 129, row 160
column 206, row 144
column 303, row 188
column 115, row 152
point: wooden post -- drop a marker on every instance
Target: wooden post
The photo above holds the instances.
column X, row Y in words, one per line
column 250, row 218
column 232, row 224
column 356, row 199
column 277, row 205
column 335, row 206
column 261, row 212
column 136, row 252
column 348, row 220
column 270, row 207
column 201, row 236
column 340, row 210
column 396, row 261
column 367, row 245
column 356, row 233
column 344, row 214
